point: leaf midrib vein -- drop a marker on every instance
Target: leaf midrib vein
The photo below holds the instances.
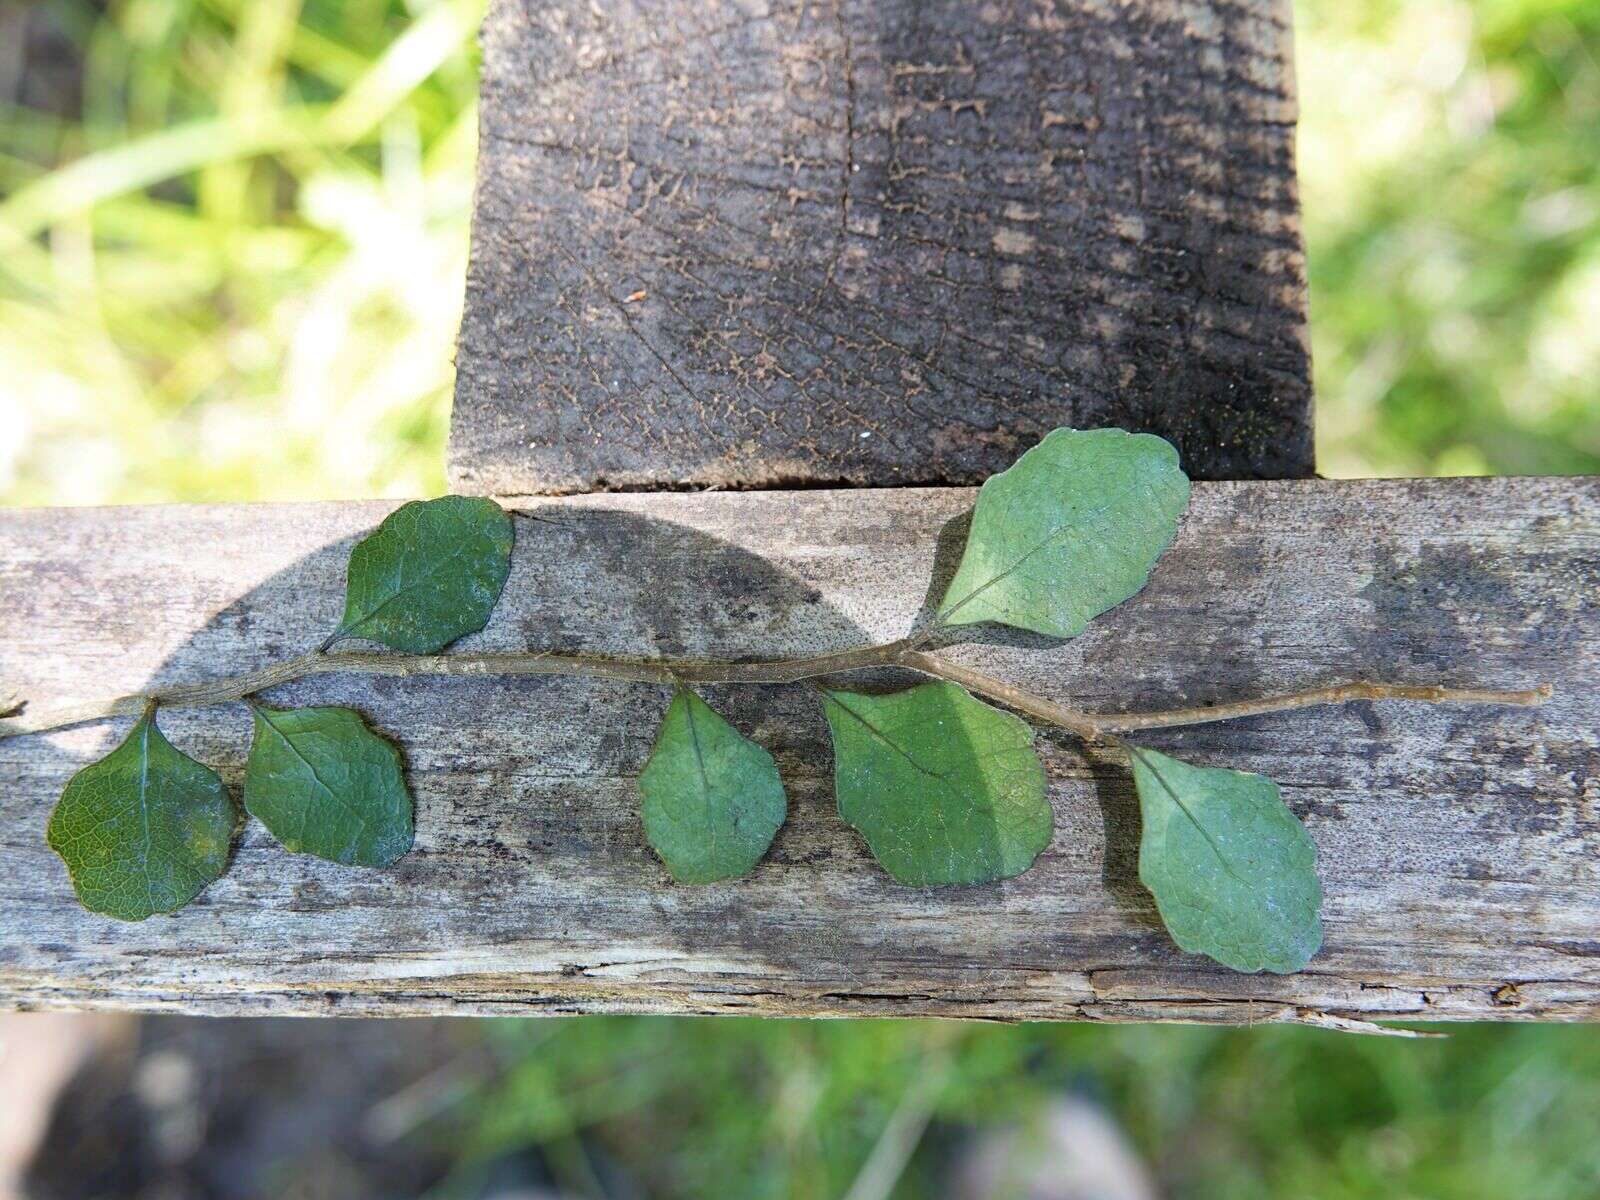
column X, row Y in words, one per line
column 941, row 776
column 305, row 810
column 427, row 575
column 144, row 811
column 1060, row 530
column 700, row 766
column 1150, row 766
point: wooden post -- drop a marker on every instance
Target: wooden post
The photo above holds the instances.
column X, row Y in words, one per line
column 751, row 243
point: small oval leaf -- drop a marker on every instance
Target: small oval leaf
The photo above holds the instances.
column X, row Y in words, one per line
column 325, row 784
column 712, row 798
column 1232, row 869
column 944, row 788
column 145, row 829
column 1071, row 529
column 429, row 574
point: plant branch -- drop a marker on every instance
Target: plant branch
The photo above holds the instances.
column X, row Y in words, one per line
column 672, row 672
column 1101, row 725
column 664, row 671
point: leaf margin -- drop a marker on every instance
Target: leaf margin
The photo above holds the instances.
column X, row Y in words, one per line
column 228, row 832
column 650, row 807
column 1302, row 947
column 1043, row 811
column 296, row 845
column 992, row 488
column 352, row 625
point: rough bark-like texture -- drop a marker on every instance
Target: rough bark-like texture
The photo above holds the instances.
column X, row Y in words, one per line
column 1459, row 847
column 756, row 243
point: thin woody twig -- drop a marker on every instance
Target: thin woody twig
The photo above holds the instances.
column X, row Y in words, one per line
column 665, row 671
column 675, row 672
column 1101, row 725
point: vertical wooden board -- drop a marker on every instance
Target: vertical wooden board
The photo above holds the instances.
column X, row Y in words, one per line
column 752, row 243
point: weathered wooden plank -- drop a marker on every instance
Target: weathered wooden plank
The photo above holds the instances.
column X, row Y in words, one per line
column 1460, row 848
column 757, row 243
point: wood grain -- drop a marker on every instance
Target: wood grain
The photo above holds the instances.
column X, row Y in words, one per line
column 763, row 243
column 1459, row 847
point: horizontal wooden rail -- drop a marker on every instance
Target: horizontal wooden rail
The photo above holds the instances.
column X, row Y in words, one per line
column 1459, row 847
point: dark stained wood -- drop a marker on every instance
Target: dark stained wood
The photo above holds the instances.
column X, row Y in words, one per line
column 763, row 243
column 1459, row 848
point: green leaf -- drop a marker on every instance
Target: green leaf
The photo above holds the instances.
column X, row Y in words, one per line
column 143, row 830
column 431, row 573
column 1071, row 529
column 325, row 784
column 1232, row 869
column 712, row 798
column 944, row 788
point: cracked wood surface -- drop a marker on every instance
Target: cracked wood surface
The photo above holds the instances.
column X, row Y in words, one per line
column 1459, row 847
column 758, row 243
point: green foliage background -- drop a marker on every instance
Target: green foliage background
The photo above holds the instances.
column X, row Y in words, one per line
column 1450, row 170
column 740, row 1107
column 254, row 221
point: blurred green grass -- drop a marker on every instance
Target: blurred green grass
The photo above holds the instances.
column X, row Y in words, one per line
column 232, row 244
column 256, row 218
column 739, row 1107
column 1450, row 173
